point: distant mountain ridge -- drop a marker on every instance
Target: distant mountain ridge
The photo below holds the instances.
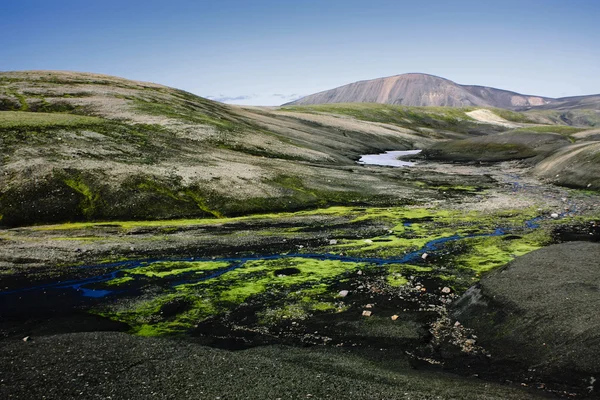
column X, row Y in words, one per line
column 415, row 89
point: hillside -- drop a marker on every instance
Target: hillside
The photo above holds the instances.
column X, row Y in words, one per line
column 80, row 146
column 427, row 90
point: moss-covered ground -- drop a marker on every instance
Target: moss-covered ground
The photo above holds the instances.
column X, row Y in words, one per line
column 402, row 246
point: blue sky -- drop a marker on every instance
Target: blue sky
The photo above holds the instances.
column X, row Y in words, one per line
column 268, row 52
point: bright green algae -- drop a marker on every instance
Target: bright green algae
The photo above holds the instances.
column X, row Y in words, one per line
column 309, row 285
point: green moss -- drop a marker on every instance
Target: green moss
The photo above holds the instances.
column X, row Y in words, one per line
column 305, row 292
column 487, row 253
column 396, row 280
column 202, row 203
column 90, row 199
column 165, row 269
column 297, row 287
column 119, row 281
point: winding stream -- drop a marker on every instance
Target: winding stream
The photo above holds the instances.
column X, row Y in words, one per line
column 79, row 285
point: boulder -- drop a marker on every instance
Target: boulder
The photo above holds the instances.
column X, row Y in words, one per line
column 538, row 315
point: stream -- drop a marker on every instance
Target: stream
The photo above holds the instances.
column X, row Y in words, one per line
column 81, row 286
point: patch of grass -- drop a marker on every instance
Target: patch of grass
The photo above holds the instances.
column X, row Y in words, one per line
column 189, row 112
column 560, row 129
column 513, row 116
column 18, row 120
column 478, row 150
column 448, row 118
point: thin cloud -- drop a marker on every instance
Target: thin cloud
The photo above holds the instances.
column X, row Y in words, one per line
column 286, row 96
column 256, row 99
column 225, row 99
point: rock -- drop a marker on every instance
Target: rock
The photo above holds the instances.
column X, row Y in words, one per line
column 424, row 256
column 369, row 306
column 554, row 215
column 25, row 339
column 394, row 317
column 539, row 314
column 343, row 293
column 359, row 272
column 446, row 290
column 368, row 241
column 332, row 241
column 366, row 313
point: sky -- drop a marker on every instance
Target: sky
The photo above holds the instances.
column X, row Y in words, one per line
column 268, row 52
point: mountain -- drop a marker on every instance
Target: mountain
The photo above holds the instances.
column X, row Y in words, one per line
column 427, row 90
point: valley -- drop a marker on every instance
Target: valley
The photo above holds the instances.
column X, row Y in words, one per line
column 146, row 228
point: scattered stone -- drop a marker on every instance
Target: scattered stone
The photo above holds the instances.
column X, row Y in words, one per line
column 333, row 241
column 366, row 313
column 26, row 339
column 424, row 256
column 368, row 241
column 343, row 293
column 394, row 317
column 589, row 185
column 554, row 215
column 457, row 324
column 369, row 306
column 446, row 290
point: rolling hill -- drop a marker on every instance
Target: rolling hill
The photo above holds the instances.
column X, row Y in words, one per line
column 82, row 147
